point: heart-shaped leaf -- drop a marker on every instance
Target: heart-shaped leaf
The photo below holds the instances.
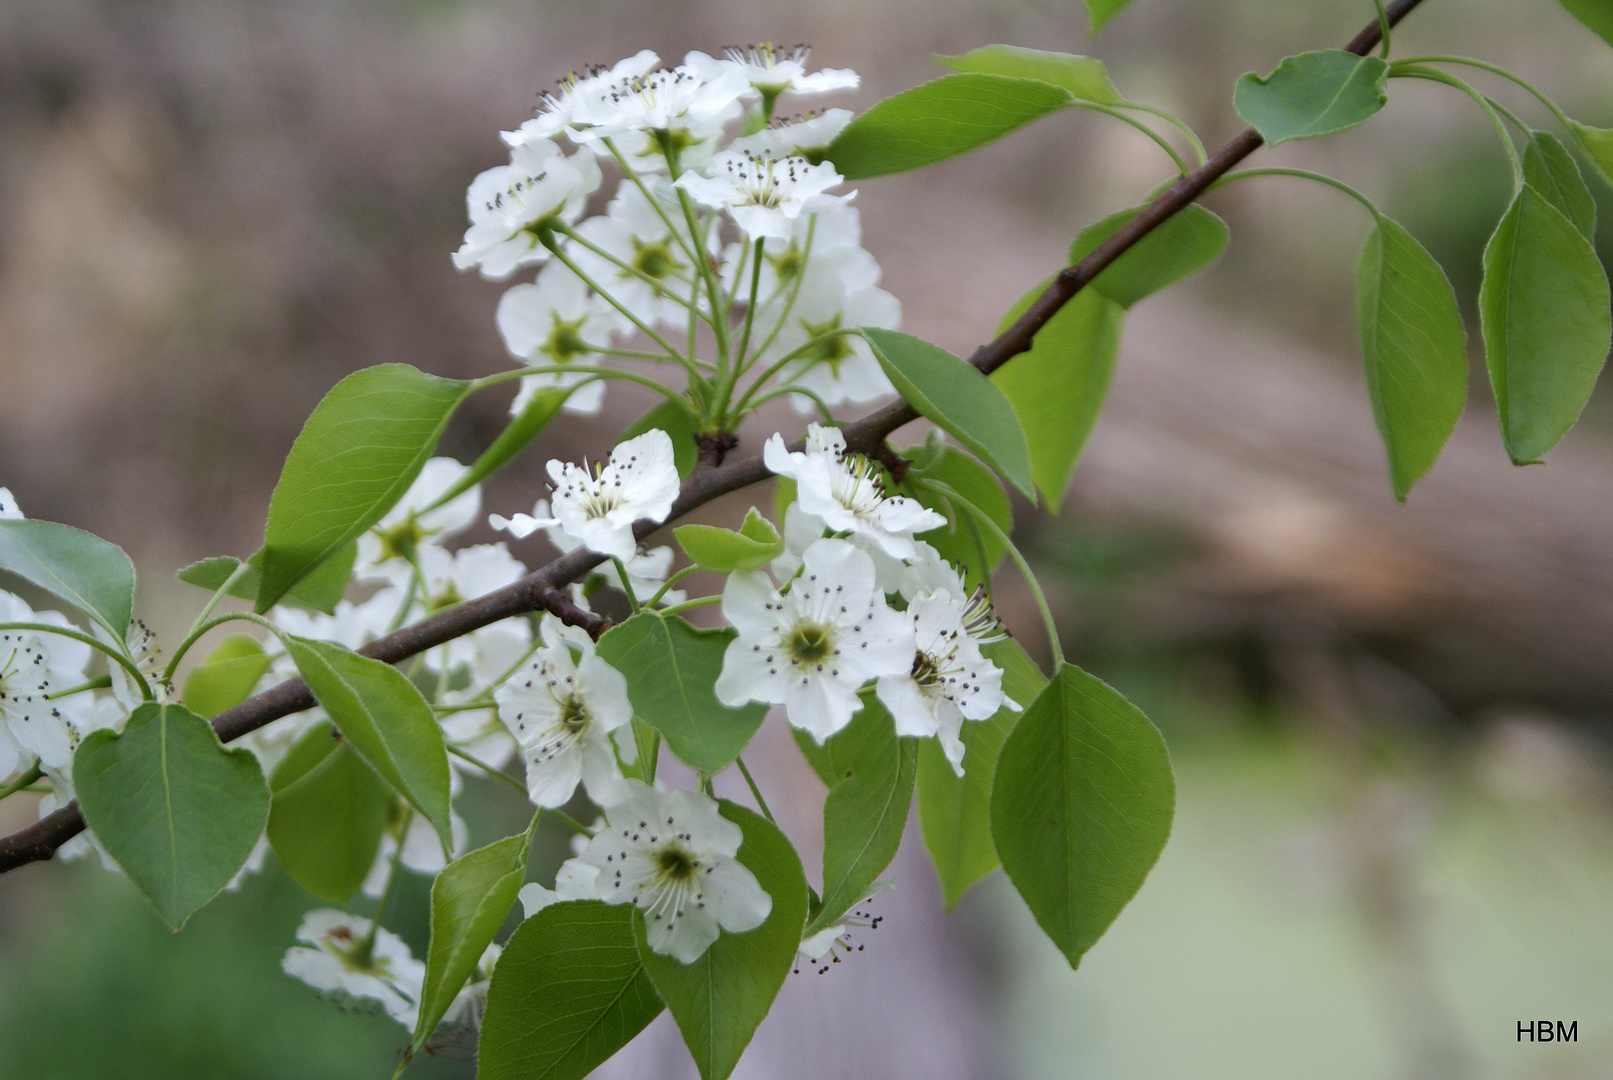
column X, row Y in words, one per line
column 177, row 810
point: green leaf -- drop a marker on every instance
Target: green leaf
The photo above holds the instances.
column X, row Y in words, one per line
column 385, row 719
column 1543, row 309
column 938, row 120
column 678, row 425
column 866, row 809
column 1415, row 349
column 328, row 814
column 957, row 398
column 94, row 576
column 956, row 541
column 954, row 810
column 671, row 668
column 1596, row 14
column 227, row 678
column 535, row 416
column 1083, row 76
column 321, row 590
column 178, row 811
column 470, row 900
column 1549, row 168
column 357, row 454
column 1081, row 807
column 755, row 545
column 1057, row 388
column 1102, row 11
column 567, row 993
column 1598, row 146
column 719, row 1000
column 1311, row 94
column 1184, row 243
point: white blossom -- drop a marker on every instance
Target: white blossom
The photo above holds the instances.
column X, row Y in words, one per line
column 826, row 946
column 773, row 70
column 334, row 961
column 510, row 204
column 811, row 648
column 558, row 111
column 422, row 847
column 8, row 506
column 575, row 880
column 386, row 551
column 950, row 680
column 803, row 136
column 762, row 193
column 634, row 232
column 828, row 230
column 836, row 293
column 639, row 482
column 33, row 665
column 672, row 854
column 647, row 570
column 562, row 710
column 677, row 105
column 553, row 322
column 845, row 492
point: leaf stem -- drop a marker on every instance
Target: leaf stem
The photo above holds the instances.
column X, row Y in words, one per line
column 671, row 581
column 1303, row 174
column 1159, row 140
column 1404, row 69
column 754, row 790
column 497, row 774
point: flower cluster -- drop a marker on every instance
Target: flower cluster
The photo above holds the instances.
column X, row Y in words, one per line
column 697, row 151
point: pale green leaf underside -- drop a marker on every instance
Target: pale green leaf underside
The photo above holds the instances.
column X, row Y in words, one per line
column 1311, row 94
column 94, row 576
column 1084, row 77
column 328, row 814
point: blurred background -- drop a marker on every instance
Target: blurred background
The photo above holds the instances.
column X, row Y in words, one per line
column 1390, row 723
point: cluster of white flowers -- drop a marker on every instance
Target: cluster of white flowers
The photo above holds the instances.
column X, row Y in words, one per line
column 640, row 265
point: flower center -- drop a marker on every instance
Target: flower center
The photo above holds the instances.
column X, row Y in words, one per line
column 787, row 264
column 654, row 260
column 926, row 670
column 574, row 714
column 565, row 340
column 676, row 864
column 830, row 351
column 402, row 540
column 809, row 642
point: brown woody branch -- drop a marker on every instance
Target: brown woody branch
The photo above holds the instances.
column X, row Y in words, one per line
column 545, row 588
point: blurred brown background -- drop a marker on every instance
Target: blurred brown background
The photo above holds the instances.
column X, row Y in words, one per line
column 211, row 211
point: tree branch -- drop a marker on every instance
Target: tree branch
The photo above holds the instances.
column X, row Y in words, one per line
column 544, row 589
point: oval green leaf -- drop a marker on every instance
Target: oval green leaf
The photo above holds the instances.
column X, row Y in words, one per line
column 1081, row 807
column 1543, row 310
column 227, row 678
column 1415, row 349
column 177, row 810
column 567, row 993
column 1058, row 386
column 358, row 453
column 470, row 900
column 671, row 669
column 756, row 544
column 1311, row 94
column 1549, row 168
column 1183, row 244
column 962, row 541
column 94, row 576
column 866, row 809
column 938, row 120
column 957, row 398
column 328, row 814
column 385, row 719
column 955, row 811
column 1102, row 11
column 719, row 1000
column 1084, row 77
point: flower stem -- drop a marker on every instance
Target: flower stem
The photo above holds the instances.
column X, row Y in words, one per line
column 750, row 307
column 754, row 790
column 690, row 605
column 627, row 583
column 671, row 581
column 582, row 369
column 1019, row 560
column 367, row 947
column 21, row 782
column 100, row 683
column 95, row 643
column 496, row 774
